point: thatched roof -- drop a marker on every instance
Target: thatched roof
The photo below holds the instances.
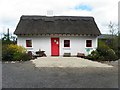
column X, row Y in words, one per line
column 56, row 25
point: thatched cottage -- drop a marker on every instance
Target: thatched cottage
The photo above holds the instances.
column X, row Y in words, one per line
column 57, row 35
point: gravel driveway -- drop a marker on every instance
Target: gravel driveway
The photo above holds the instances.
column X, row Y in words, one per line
column 25, row 75
column 67, row 62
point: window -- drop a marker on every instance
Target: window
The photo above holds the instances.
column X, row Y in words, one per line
column 88, row 43
column 28, row 43
column 66, row 43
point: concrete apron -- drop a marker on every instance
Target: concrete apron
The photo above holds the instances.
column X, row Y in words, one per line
column 66, row 62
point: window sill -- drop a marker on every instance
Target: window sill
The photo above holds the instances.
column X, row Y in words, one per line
column 89, row 47
column 29, row 48
column 66, row 48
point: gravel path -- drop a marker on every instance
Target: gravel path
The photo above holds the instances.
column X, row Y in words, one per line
column 66, row 62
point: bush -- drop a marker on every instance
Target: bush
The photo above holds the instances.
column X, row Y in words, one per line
column 111, row 55
column 94, row 55
column 103, row 53
column 14, row 53
column 113, row 43
column 107, row 54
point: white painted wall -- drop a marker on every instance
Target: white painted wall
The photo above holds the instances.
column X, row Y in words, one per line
column 38, row 42
column 77, row 44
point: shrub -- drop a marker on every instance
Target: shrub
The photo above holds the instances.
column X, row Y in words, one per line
column 113, row 43
column 110, row 55
column 93, row 56
column 14, row 53
column 103, row 53
column 106, row 54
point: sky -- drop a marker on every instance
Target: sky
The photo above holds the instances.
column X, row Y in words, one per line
column 103, row 11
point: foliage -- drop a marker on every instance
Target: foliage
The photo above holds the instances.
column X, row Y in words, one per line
column 103, row 53
column 13, row 52
column 6, row 42
column 115, row 44
column 93, row 56
column 107, row 54
column 8, row 39
column 0, row 49
column 118, row 49
column 112, row 28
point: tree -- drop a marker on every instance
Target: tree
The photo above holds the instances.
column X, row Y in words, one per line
column 115, row 43
column 6, row 36
column 7, row 39
column 113, row 30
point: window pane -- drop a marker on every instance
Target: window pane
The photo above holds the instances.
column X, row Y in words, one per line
column 28, row 43
column 66, row 43
column 88, row 43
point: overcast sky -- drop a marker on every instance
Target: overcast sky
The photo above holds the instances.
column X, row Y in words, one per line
column 103, row 11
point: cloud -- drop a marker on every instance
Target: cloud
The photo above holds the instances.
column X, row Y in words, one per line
column 103, row 11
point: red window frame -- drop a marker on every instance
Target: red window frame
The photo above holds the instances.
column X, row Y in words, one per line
column 28, row 43
column 66, row 43
column 88, row 43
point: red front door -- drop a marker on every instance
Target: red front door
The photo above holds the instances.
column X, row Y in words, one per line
column 55, row 46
